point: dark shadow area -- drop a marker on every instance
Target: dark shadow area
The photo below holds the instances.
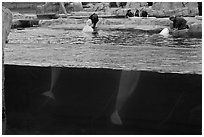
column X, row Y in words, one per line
column 162, row 103
column 200, row 8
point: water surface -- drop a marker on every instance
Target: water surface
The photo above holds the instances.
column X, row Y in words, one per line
column 107, row 49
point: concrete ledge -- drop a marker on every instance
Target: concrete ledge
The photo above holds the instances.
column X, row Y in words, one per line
column 198, row 17
column 100, row 16
column 107, row 21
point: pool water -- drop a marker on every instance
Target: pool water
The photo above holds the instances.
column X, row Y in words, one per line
column 85, row 97
column 126, row 49
column 123, row 38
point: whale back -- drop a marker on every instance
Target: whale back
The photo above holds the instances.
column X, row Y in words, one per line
column 165, row 32
column 87, row 27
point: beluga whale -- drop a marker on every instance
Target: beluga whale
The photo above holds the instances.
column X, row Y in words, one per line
column 87, row 27
column 165, row 32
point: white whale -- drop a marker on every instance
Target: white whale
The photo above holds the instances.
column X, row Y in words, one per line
column 165, row 32
column 88, row 27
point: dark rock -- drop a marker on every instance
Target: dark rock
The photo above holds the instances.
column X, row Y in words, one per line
column 113, row 5
column 195, row 29
column 48, row 16
column 15, row 23
column 180, row 33
column 23, row 23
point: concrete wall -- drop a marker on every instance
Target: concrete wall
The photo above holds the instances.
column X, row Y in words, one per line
column 162, row 103
column 6, row 26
